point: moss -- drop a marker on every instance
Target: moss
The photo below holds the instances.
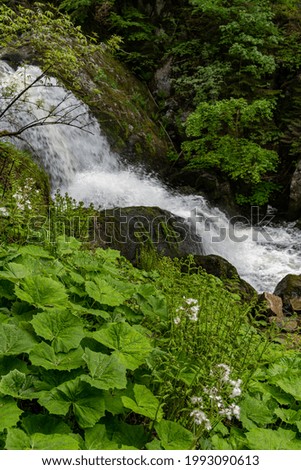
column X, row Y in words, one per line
column 24, row 193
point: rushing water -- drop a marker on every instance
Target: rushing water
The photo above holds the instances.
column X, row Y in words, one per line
column 79, row 161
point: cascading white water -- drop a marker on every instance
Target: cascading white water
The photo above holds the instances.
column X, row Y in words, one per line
column 79, row 161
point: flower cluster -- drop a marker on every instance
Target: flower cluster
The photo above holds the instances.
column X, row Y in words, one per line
column 215, row 396
column 198, row 414
column 190, row 309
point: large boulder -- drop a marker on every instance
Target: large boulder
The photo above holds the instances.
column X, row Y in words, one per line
column 289, row 289
column 132, row 230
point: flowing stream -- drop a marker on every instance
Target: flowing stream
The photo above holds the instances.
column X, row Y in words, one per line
column 79, row 161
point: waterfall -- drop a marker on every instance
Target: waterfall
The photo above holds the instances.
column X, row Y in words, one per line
column 79, row 161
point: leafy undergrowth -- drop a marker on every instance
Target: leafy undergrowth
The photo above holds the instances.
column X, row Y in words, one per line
column 96, row 354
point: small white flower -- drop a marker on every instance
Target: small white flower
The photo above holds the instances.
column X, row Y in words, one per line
column 200, row 418
column 195, row 309
column 177, row 320
column 207, row 425
column 191, row 301
column 235, row 410
column 4, row 211
column 193, row 317
column 236, row 392
column 194, row 400
column 235, row 383
column 227, row 369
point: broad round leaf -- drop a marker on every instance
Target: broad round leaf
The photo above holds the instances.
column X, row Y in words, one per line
column 64, row 329
column 45, row 356
column 129, row 345
column 106, row 371
column 14, row 340
column 42, row 292
column 87, row 402
column 144, row 403
column 9, row 413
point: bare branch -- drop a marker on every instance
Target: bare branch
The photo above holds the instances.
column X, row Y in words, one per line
column 54, row 116
column 22, row 93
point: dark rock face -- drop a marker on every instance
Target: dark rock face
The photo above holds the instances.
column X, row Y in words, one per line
column 289, row 289
column 294, row 209
column 132, row 228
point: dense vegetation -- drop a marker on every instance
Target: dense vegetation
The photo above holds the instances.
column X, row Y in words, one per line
column 237, row 62
column 97, row 354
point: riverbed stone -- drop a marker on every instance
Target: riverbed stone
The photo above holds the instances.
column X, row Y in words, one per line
column 289, row 289
column 273, row 304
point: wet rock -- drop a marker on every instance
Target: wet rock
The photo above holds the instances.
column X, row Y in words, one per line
column 289, row 289
column 273, row 304
column 133, row 229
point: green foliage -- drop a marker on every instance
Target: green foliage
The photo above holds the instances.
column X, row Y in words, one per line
column 51, row 34
column 270, row 412
column 226, row 135
column 93, row 341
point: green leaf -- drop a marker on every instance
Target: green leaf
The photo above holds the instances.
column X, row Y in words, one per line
column 155, row 444
column 269, row 439
column 104, row 293
column 143, row 403
column 7, row 290
column 14, row 272
column 130, row 346
column 76, row 277
column 220, row 443
column 80, row 310
column 113, row 403
column 44, row 424
column 18, row 385
column 64, row 329
column 19, row 440
column 8, row 363
column 106, row 371
column 40, row 441
column 291, row 384
column 67, row 245
column 173, row 436
column 255, row 413
column 9, row 413
column 97, row 439
column 35, row 251
column 154, row 306
column 45, row 356
column 42, row 292
column 87, row 403
column 128, row 435
column 14, row 340
column 288, row 416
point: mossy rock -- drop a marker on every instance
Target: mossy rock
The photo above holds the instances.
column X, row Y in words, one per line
column 132, row 230
column 24, row 193
column 289, row 289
